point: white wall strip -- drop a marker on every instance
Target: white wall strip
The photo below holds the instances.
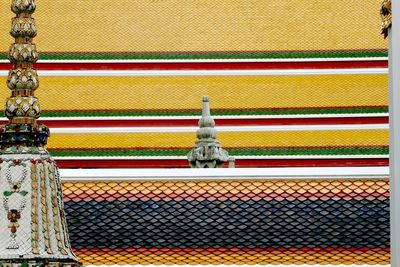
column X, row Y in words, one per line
column 190, row 129
column 225, row 174
column 208, row 60
column 236, row 157
column 122, row 73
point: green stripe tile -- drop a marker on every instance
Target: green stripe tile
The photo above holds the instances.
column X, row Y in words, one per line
column 211, row 55
column 216, row 112
column 232, row 151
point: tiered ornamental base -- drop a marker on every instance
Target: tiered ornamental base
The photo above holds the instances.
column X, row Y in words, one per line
column 33, row 229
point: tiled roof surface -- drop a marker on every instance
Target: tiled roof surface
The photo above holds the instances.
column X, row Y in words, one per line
column 222, row 222
column 86, row 29
column 296, row 64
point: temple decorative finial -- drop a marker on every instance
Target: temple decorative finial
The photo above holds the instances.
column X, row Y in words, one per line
column 22, row 107
column 207, row 152
column 33, row 230
column 386, row 15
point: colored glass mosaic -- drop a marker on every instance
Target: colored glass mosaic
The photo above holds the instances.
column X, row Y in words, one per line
column 33, row 229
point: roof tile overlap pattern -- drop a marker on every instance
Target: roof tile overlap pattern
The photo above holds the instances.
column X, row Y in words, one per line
column 229, row 222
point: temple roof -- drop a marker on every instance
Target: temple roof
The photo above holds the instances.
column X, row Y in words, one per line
column 292, row 83
column 270, row 77
column 303, row 218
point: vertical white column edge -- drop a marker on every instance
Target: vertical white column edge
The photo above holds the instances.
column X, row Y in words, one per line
column 394, row 118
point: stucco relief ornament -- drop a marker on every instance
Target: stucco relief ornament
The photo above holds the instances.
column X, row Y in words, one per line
column 207, row 152
column 386, row 15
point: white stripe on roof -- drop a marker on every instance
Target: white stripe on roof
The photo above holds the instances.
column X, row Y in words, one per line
column 225, row 174
column 273, row 72
column 193, row 129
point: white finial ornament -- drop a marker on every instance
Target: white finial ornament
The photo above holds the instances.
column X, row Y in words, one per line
column 207, row 152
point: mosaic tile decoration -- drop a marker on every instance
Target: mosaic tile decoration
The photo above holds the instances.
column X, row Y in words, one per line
column 230, row 222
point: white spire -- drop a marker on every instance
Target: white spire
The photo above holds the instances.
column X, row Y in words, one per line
column 207, row 152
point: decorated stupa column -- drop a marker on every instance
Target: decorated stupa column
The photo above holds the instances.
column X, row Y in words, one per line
column 207, row 152
column 33, row 230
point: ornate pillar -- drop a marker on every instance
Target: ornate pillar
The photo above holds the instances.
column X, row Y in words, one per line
column 33, row 230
